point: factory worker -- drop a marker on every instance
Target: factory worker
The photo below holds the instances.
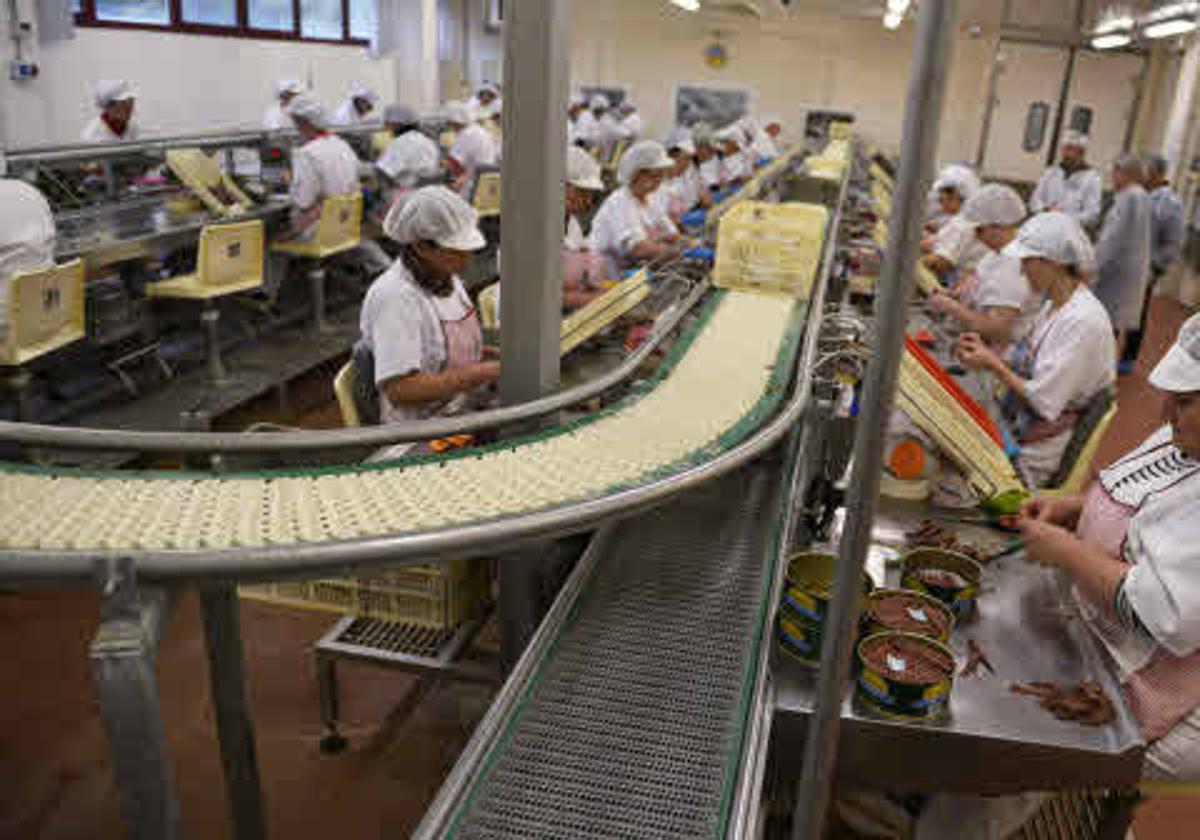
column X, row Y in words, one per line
column 26, row 237
column 1067, row 359
column 762, row 141
column 596, row 127
column 1166, row 242
column 276, row 117
column 735, row 168
column 576, row 108
column 474, row 146
column 1131, row 547
column 683, row 189
column 1002, row 305
column 486, row 102
column 1071, row 186
column 357, row 108
column 708, row 158
column 115, row 123
column 629, row 121
column 323, row 165
column 1123, row 248
column 631, row 228
column 953, row 251
column 417, row 319
column 411, row 159
column 954, row 185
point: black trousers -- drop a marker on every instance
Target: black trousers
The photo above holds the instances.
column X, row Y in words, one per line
column 1133, row 343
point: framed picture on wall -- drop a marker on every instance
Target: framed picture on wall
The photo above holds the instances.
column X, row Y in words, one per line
column 717, row 107
column 614, row 95
column 493, row 14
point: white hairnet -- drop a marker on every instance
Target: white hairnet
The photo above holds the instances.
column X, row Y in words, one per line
column 109, row 91
column 600, row 103
column 306, row 108
column 288, row 86
column 489, row 87
column 702, row 134
column 643, row 155
column 435, row 214
column 730, row 133
column 1058, row 238
column 457, row 113
column 681, row 138
column 400, row 115
column 360, row 91
column 578, row 100
column 1074, row 138
column 582, row 170
column 1179, row 370
column 995, row 204
column 958, row 177
column 627, row 106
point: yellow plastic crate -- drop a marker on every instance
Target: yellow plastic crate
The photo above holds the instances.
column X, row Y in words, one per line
column 774, row 248
column 440, row 597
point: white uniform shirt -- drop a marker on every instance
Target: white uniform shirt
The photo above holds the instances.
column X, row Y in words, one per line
column 764, row 146
column 710, row 173
column 1074, row 355
column 736, row 167
column 410, row 158
column 630, row 128
column 322, row 167
column 622, row 222
column 401, row 324
column 97, row 131
column 587, row 128
column 26, row 236
column 276, row 118
column 474, row 147
column 1078, row 195
column 1003, row 286
column 347, row 114
column 575, row 239
column 957, row 243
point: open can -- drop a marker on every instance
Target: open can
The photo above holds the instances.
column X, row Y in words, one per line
column 906, row 611
column 952, row 578
column 806, row 602
column 905, row 676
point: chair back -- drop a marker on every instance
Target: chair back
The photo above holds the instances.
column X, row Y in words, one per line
column 45, row 312
column 230, row 256
column 340, row 226
column 1076, row 468
column 486, row 198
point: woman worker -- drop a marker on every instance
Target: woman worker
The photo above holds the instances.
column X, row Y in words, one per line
column 632, row 228
column 1131, row 546
column 683, row 189
column 953, row 251
column 1002, row 305
column 417, row 320
column 1067, row 359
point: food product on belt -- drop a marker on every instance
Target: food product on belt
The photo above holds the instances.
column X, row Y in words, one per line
column 906, row 659
column 908, row 612
column 932, row 534
column 1086, row 703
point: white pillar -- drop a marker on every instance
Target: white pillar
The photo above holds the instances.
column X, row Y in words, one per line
column 408, row 31
column 1179, row 121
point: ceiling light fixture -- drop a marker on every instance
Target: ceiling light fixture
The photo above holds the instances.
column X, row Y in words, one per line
column 1115, row 29
column 1171, row 19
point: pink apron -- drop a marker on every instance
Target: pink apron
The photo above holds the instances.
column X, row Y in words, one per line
column 464, row 341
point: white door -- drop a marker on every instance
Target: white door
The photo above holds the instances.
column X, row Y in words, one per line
column 1027, row 92
column 1105, row 86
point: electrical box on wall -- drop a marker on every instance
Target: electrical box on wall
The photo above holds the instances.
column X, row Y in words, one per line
column 22, row 71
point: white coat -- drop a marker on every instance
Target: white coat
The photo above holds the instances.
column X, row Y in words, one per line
column 275, row 118
column 1078, row 194
column 411, row 158
column 474, row 147
column 347, row 115
column 26, row 236
column 630, row 128
column 623, row 222
column 322, row 167
column 1123, row 257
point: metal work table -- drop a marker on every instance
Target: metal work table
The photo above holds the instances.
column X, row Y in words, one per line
column 992, row 741
column 111, row 234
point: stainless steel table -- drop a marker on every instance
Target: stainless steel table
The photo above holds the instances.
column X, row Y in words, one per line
column 111, row 234
column 991, row 741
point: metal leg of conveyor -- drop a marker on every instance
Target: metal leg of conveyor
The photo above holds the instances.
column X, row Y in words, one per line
column 123, row 658
column 316, row 290
column 210, row 318
column 520, row 604
column 235, row 730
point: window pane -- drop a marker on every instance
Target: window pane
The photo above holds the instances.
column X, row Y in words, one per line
column 275, row 15
column 212, row 12
column 362, row 19
column 77, row 6
column 133, row 11
column 1036, row 120
column 321, row 19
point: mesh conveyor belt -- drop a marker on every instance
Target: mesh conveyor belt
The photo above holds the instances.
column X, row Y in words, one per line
column 634, row 724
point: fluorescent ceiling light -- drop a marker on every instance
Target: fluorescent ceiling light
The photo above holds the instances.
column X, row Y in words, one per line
column 1111, row 41
column 688, row 5
column 1167, row 28
column 1115, row 24
column 892, row 20
column 898, row 7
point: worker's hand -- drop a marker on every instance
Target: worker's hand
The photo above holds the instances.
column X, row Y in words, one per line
column 1046, row 544
column 974, row 353
column 942, row 303
column 1061, row 512
column 491, row 353
column 484, row 373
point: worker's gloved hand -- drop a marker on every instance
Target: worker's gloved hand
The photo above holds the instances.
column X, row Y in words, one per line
column 700, row 252
column 763, row 161
column 694, row 218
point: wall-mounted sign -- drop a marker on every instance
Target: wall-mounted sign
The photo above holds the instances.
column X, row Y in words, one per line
column 716, row 56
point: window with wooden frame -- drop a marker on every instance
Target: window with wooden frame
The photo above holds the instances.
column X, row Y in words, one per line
column 324, row 21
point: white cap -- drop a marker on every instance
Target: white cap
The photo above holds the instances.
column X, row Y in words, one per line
column 360, row 91
column 730, row 133
column 681, row 139
column 109, row 91
column 1056, row 237
column 627, row 106
column 457, row 113
column 962, row 179
column 995, row 204
column 400, row 115
column 600, row 103
column 435, row 214
column 288, row 86
column 643, row 155
column 1179, row 370
column 306, row 108
column 578, row 100
column 702, row 134
column 1074, row 138
column 489, row 87
column 582, row 170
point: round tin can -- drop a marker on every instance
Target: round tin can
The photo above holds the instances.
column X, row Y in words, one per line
column 952, row 578
column 905, row 676
column 805, row 603
column 906, row 611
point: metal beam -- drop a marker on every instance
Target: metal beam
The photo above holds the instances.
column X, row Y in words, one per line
column 922, row 121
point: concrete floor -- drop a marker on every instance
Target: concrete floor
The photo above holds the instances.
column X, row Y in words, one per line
column 53, row 769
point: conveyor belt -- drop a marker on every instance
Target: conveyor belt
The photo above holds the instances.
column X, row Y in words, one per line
column 633, row 724
column 722, row 381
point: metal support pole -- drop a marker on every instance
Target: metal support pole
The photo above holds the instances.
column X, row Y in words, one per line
column 922, row 120
column 235, row 730
column 532, row 216
column 316, row 286
column 210, row 317
column 123, row 657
